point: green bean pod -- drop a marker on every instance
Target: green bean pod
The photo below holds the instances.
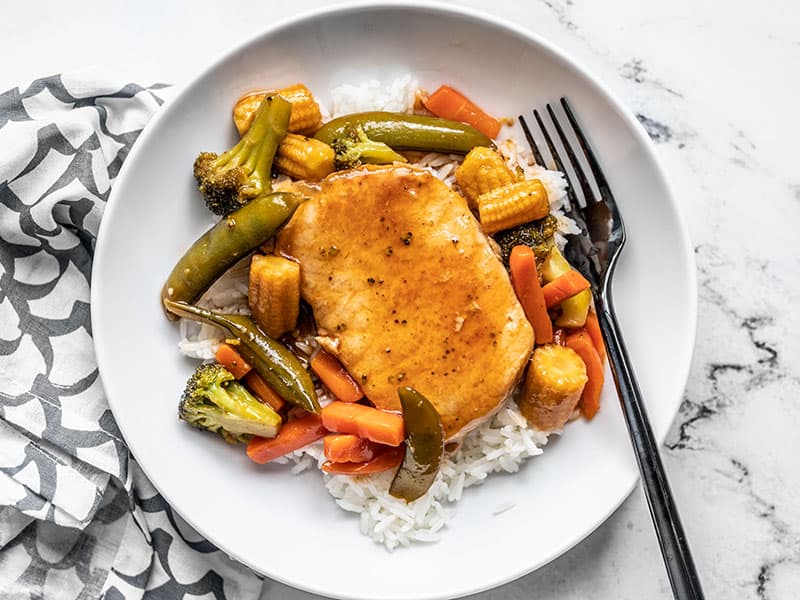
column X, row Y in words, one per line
column 408, row 132
column 272, row 360
column 225, row 243
column 424, row 446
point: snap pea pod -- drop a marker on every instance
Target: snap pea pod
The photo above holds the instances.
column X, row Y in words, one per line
column 272, row 360
column 408, row 132
column 225, row 243
column 424, row 446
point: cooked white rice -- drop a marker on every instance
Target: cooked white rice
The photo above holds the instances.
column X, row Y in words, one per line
column 501, row 444
column 396, row 96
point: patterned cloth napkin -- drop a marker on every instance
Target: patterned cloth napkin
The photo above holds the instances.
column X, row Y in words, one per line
column 78, row 519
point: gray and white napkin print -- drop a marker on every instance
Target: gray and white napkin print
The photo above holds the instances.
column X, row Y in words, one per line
column 78, row 519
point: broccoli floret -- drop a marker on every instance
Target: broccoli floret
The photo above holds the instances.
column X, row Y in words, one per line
column 536, row 234
column 355, row 148
column 215, row 401
column 230, row 180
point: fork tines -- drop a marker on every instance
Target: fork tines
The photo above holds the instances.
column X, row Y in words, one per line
column 602, row 232
column 573, row 167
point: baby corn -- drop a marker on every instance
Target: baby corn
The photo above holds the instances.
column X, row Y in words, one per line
column 483, row 170
column 512, row 205
column 300, row 157
column 553, row 385
column 274, row 293
column 245, row 109
column 305, row 118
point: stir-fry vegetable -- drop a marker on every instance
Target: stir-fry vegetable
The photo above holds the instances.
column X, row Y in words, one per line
column 424, row 446
column 537, row 235
column 386, row 460
column 380, row 426
column 452, row 104
column 274, row 293
column 230, row 180
column 346, row 447
column 241, row 369
column 483, row 170
column 225, row 243
column 407, row 132
column 302, row 157
column 262, row 390
column 305, row 117
column 581, row 342
column 213, row 400
column 525, row 280
column 553, row 384
column 592, row 327
column 563, row 287
column 353, row 148
column 512, row 205
column 270, row 359
column 575, row 309
column 335, row 377
column 293, row 436
column 232, row 360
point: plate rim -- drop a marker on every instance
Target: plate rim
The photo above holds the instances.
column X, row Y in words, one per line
column 686, row 248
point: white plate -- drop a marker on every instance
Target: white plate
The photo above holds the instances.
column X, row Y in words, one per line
column 288, row 527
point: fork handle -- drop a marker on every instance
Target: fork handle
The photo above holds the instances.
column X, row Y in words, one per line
column 674, row 546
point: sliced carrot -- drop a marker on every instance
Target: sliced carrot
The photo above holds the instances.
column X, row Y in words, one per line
column 563, row 287
column 292, row 436
column 346, row 447
column 229, row 358
column 592, row 327
column 256, row 384
column 377, row 425
column 385, row 460
column 335, row 377
column 529, row 291
column 452, row 104
column 581, row 342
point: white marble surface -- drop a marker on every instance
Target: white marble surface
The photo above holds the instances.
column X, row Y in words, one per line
column 716, row 84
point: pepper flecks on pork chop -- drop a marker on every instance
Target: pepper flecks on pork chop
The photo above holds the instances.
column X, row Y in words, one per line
column 406, row 291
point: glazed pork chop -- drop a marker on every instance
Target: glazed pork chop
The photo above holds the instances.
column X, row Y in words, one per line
column 406, row 291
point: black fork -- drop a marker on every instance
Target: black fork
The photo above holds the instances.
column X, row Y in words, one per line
column 594, row 253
